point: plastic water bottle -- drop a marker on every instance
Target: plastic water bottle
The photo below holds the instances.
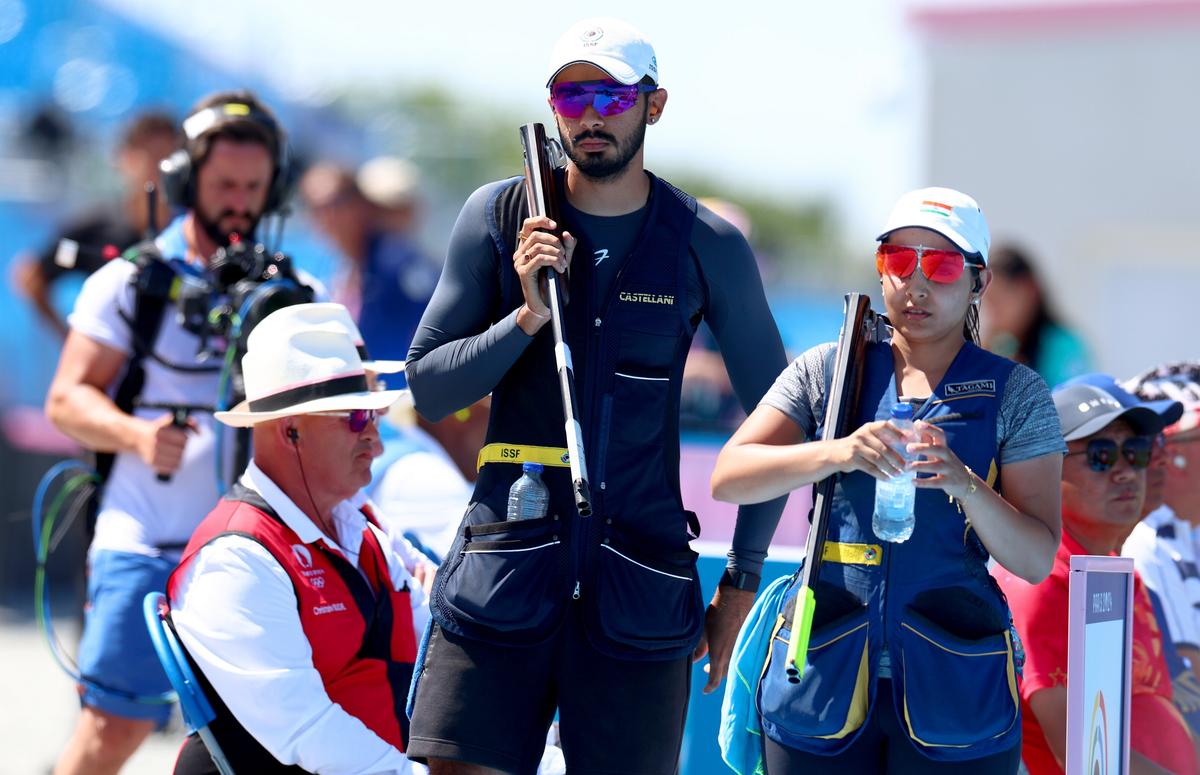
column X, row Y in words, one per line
column 528, row 497
column 894, row 519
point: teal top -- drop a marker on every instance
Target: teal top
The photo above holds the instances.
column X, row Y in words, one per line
column 1062, row 355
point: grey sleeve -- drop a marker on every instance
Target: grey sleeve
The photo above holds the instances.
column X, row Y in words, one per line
column 799, row 391
column 458, row 354
column 741, row 322
column 1027, row 424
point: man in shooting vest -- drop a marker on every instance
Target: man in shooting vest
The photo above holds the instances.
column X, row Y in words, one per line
column 299, row 607
column 126, row 360
column 596, row 617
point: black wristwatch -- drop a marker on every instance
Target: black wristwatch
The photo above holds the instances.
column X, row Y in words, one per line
column 740, row 579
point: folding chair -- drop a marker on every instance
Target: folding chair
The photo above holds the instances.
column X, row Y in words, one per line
column 197, row 711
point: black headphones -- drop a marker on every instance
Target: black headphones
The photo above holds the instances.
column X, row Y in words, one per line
column 178, row 176
column 293, row 434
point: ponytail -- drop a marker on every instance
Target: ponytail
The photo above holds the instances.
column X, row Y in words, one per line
column 971, row 323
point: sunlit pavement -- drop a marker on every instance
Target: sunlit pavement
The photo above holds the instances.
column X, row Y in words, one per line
column 38, row 706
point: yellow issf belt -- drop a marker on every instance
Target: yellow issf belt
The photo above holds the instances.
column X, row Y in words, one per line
column 852, row 554
column 523, row 453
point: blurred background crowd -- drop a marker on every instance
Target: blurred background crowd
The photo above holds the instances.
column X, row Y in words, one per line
column 1067, row 120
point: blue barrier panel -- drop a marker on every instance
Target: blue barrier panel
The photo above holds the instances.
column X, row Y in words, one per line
column 700, row 755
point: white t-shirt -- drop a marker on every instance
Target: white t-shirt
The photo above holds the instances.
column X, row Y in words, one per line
column 423, row 492
column 138, row 513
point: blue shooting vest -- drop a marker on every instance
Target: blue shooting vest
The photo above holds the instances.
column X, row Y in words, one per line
column 628, row 567
column 943, row 619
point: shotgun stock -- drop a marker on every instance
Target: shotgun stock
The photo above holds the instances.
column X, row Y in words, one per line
column 858, row 327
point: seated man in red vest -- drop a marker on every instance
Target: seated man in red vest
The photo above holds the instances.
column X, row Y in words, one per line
column 298, row 607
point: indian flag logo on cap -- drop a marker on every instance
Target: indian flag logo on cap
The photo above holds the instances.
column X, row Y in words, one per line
column 937, row 208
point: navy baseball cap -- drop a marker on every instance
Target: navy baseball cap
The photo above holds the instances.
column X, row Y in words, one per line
column 1084, row 409
column 1170, row 411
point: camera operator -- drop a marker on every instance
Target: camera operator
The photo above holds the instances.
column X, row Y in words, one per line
column 131, row 357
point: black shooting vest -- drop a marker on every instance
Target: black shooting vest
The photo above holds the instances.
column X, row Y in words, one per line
column 628, row 566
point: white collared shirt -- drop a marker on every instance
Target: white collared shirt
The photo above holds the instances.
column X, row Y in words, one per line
column 236, row 612
column 1164, row 551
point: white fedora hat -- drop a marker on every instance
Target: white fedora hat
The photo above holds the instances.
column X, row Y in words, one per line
column 298, row 362
column 338, row 315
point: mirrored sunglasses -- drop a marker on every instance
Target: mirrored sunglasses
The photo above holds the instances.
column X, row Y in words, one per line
column 937, row 264
column 358, row 419
column 1102, row 453
column 610, row 98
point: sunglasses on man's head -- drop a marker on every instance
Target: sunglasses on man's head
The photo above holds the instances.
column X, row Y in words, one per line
column 358, row 419
column 937, row 264
column 610, row 98
column 1102, row 453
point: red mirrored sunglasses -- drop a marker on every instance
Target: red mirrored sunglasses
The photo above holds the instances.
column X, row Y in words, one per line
column 357, row 419
column 937, row 264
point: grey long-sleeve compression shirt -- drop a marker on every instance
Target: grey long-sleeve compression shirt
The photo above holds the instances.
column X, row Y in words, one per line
column 459, row 355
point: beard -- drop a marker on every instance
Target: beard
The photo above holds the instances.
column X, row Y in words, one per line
column 595, row 166
column 212, row 227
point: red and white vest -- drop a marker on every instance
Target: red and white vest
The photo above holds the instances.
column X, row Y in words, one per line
column 361, row 632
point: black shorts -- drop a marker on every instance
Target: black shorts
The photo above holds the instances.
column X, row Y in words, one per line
column 492, row 706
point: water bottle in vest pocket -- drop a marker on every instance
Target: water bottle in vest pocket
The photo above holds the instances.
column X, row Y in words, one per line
column 501, row 582
column 644, row 604
column 937, row 673
column 824, row 711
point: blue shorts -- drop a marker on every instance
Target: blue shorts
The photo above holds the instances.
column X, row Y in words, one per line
column 116, row 652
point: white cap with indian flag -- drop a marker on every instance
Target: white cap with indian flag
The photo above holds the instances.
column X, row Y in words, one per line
column 951, row 213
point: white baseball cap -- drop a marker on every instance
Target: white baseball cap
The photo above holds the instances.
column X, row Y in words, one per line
column 614, row 46
column 951, row 213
